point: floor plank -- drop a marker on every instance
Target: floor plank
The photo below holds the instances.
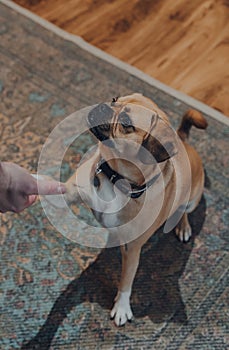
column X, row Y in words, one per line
column 184, row 44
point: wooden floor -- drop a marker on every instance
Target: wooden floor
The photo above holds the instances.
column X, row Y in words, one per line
column 184, row 44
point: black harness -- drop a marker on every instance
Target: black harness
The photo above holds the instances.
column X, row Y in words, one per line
column 129, row 189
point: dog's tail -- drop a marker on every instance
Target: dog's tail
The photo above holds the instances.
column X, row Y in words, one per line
column 190, row 118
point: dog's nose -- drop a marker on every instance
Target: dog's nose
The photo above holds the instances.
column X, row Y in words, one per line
column 100, row 115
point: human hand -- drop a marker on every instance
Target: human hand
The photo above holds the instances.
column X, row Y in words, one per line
column 19, row 189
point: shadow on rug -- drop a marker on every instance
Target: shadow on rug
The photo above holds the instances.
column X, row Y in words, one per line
column 156, row 291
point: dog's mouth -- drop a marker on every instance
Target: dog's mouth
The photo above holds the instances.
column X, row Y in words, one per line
column 96, row 131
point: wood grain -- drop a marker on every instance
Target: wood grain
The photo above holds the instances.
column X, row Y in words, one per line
column 184, row 44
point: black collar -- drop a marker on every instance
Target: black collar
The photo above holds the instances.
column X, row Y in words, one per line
column 130, row 189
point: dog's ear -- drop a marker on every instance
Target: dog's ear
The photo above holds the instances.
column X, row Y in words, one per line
column 153, row 150
column 99, row 121
column 160, row 144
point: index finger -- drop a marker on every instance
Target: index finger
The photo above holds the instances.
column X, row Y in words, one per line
column 48, row 187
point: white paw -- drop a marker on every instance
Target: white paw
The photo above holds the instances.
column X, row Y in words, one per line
column 121, row 311
column 184, row 232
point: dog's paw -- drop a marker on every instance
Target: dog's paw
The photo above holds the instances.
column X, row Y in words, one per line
column 183, row 232
column 121, row 312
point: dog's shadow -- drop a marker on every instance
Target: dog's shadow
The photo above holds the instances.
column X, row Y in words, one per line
column 156, row 291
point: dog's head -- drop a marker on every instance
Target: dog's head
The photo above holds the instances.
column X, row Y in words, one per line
column 135, row 126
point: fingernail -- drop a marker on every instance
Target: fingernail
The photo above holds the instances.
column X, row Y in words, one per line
column 61, row 189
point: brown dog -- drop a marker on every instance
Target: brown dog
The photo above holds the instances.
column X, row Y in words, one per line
column 142, row 175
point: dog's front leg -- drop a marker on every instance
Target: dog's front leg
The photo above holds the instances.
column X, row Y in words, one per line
column 121, row 311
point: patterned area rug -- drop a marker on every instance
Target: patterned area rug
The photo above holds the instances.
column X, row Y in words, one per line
column 56, row 294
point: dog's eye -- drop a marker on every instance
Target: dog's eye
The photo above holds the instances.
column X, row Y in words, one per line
column 96, row 181
column 126, row 122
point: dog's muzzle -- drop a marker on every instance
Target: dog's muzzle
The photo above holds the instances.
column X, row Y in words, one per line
column 99, row 121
